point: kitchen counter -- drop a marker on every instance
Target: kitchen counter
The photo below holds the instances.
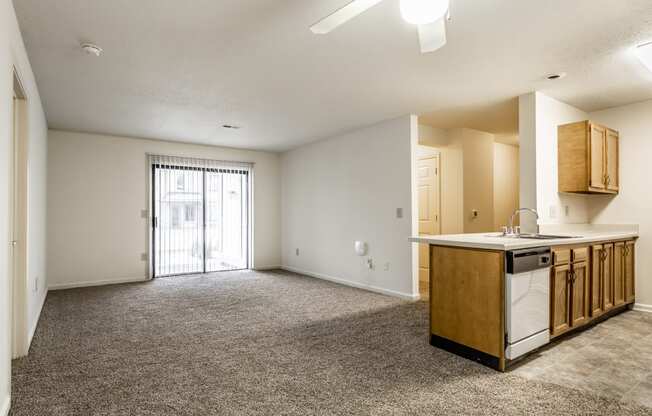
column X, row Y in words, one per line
column 494, row 241
column 481, row 311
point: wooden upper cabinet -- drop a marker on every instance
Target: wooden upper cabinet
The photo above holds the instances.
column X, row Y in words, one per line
column 597, row 159
column 588, row 158
column 611, row 161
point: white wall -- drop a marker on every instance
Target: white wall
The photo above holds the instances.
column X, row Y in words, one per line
column 633, row 205
column 98, row 186
column 478, row 154
column 347, row 188
column 506, row 183
column 476, row 173
column 539, row 117
column 451, row 178
column 12, row 53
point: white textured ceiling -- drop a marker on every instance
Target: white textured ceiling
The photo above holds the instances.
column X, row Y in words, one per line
column 178, row 69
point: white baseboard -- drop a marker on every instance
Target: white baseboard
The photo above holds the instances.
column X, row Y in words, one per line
column 32, row 330
column 265, row 268
column 643, row 308
column 353, row 284
column 4, row 407
column 73, row 285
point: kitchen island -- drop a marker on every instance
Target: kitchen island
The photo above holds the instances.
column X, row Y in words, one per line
column 476, row 309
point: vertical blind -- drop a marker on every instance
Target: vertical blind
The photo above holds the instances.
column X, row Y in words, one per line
column 200, row 211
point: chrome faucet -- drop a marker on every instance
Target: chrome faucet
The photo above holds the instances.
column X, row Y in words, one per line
column 516, row 231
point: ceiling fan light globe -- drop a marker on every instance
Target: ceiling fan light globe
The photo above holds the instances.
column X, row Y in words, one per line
column 422, row 12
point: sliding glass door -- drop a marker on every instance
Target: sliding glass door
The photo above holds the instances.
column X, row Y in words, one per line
column 226, row 220
column 200, row 219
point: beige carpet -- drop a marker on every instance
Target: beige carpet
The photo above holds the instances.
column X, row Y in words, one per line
column 247, row 343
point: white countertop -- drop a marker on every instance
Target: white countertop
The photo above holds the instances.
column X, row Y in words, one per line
column 493, row 241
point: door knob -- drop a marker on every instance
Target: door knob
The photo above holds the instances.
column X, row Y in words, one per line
column 13, row 243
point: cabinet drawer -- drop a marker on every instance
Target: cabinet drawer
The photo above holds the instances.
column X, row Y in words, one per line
column 580, row 254
column 561, row 256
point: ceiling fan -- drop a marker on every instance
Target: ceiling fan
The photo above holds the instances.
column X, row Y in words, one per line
column 429, row 15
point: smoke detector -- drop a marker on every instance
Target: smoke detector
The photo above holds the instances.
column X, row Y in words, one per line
column 91, row 49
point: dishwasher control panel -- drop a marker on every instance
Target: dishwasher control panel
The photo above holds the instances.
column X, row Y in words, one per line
column 528, row 259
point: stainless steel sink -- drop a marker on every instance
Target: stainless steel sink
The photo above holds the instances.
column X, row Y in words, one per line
column 544, row 236
column 534, row 236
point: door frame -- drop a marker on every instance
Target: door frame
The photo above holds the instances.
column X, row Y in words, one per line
column 427, row 152
column 248, row 235
column 18, row 220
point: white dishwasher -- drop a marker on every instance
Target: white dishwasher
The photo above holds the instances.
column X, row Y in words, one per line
column 527, row 296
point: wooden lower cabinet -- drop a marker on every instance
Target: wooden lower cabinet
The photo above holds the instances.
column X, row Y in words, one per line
column 560, row 300
column 596, row 292
column 619, row 274
column 630, row 276
column 570, row 300
column 587, row 282
column 607, row 277
column 579, row 283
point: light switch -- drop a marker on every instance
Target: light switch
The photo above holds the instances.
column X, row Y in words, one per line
column 399, row 212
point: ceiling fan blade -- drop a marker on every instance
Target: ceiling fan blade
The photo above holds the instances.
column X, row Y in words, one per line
column 342, row 15
column 432, row 36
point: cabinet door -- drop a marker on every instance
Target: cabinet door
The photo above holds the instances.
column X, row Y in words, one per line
column 619, row 274
column 596, row 301
column 597, row 163
column 611, row 152
column 579, row 293
column 630, row 277
column 607, row 277
column 560, row 301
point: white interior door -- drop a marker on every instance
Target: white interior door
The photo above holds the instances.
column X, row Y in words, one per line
column 429, row 216
column 18, row 224
column 428, row 176
column 13, row 242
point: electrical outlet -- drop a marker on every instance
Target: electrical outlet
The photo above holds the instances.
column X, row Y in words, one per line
column 566, row 210
column 296, row 251
column 399, row 212
column 370, row 263
column 144, row 257
column 386, row 267
column 144, row 213
column 553, row 211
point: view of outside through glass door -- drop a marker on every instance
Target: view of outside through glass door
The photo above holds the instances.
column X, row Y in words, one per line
column 200, row 219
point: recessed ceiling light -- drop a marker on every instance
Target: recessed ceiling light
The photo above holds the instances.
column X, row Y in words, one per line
column 91, row 49
column 231, row 127
column 644, row 53
column 554, row 77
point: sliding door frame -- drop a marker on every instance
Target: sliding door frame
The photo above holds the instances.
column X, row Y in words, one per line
column 153, row 219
